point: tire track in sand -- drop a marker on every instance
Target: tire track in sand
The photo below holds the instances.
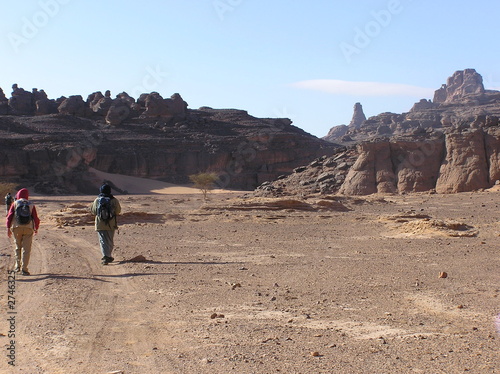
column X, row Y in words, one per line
column 80, row 316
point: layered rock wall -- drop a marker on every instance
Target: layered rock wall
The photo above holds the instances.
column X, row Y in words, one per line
column 54, row 152
column 456, row 162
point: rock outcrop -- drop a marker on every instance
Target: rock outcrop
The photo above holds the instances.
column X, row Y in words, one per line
column 462, row 100
column 448, row 145
column 456, row 161
column 21, row 102
column 73, row 105
column 460, row 86
column 358, row 116
column 55, row 152
column 465, row 166
column 4, row 103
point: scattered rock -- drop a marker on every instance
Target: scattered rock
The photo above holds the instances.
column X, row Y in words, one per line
column 443, row 274
column 139, row 258
column 216, row 315
column 235, row 285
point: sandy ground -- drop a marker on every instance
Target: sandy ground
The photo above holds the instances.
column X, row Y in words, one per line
column 243, row 285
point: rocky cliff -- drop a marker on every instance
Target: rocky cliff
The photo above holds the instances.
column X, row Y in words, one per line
column 448, row 145
column 51, row 144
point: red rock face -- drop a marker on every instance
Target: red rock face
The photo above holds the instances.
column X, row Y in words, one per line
column 460, row 161
column 465, row 166
column 457, row 163
column 54, row 152
column 418, row 164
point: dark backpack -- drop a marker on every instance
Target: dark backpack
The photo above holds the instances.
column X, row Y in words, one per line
column 23, row 212
column 105, row 210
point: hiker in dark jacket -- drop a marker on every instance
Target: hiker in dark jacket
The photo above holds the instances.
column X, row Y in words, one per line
column 8, row 202
column 23, row 227
column 105, row 208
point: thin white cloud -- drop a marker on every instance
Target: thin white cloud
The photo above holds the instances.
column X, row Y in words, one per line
column 339, row 87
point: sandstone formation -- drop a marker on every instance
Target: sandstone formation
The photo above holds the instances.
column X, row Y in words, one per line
column 358, row 116
column 451, row 162
column 21, row 102
column 73, row 105
column 448, row 145
column 54, row 152
column 459, row 87
column 4, row 103
column 465, row 167
column 461, row 101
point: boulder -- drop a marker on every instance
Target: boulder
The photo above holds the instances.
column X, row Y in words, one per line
column 45, row 106
column 73, row 105
column 102, row 106
column 4, row 103
column 465, row 165
column 21, row 102
column 117, row 113
column 157, row 106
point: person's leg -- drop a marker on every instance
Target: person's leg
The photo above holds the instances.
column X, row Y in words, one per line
column 27, row 240
column 18, row 238
column 106, row 242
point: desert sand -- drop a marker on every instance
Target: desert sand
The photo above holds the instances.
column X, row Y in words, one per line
column 246, row 285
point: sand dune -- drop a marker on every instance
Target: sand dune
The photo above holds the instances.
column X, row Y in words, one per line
column 136, row 185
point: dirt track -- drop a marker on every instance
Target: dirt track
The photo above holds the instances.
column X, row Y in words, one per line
column 247, row 287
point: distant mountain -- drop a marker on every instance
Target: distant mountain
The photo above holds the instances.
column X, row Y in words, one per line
column 447, row 145
column 462, row 100
column 51, row 144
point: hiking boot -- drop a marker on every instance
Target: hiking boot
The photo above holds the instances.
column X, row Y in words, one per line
column 25, row 272
column 104, row 261
column 110, row 259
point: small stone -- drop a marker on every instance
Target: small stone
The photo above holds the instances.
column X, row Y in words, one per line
column 139, row 258
column 213, row 315
column 443, row 274
column 315, row 354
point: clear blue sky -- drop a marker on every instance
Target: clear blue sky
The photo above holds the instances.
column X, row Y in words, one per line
column 306, row 60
